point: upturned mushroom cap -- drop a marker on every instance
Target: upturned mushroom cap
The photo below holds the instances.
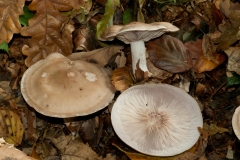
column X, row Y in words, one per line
column 157, row 119
column 136, row 31
column 236, row 122
column 59, row 87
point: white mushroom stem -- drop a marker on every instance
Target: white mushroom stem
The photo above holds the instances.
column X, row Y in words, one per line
column 139, row 54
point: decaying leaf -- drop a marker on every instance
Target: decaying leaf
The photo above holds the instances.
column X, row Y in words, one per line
column 233, row 54
column 139, row 156
column 212, row 129
column 84, row 40
column 5, row 90
column 9, row 152
column 121, row 78
column 101, row 56
column 45, row 31
column 231, row 34
column 9, row 22
column 156, row 72
column 11, row 124
column 73, row 149
column 200, row 62
column 169, row 53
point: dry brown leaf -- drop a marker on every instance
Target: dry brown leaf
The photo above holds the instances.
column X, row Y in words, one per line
column 101, row 56
column 231, row 34
column 212, row 129
column 121, row 78
column 45, row 29
column 200, row 62
column 139, row 156
column 169, row 53
column 233, row 54
column 12, row 125
column 9, row 23
column 73, row 149
column 5, row 90
column 156, row 72
column 84, row 40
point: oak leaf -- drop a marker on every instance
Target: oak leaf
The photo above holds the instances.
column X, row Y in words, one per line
column 169, row 53
column 46, row 31
column 9, row 22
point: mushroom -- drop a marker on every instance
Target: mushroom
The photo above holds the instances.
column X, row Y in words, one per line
column 157, row 119
column 59, row 87
column 8, row 151
column 135, row 34
column 236, row 122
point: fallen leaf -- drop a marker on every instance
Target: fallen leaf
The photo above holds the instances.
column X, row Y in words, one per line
column 121, row 78
column 231, row 34
column 234, row 79
column 9, row 23
column 139, row 156
column 212, row 129
column 84, row 40
column 101, row 56
column 13, row 127
column 169, row 53
column 200, row 62
column 73, row 149
column 233, row 54
column 156, row 72
column 45, row 31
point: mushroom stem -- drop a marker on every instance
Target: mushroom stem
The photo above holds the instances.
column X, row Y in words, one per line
column 138, row 54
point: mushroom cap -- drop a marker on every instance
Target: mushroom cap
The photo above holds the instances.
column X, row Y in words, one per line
column 59, row 87
column 157, row 119
column 236, row 122
column 136, row 31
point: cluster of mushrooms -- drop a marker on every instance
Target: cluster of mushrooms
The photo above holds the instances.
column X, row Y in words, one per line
column 154, row 119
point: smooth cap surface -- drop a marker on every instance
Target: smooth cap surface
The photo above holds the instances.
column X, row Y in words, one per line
column 157, row 119
column 236, row 122
column 136, row 31
column 59, row 87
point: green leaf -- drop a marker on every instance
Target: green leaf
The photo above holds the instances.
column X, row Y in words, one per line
column 26, row 16
column 107, row 19
column 128, row 16
column 4, row 46
column 234, row 80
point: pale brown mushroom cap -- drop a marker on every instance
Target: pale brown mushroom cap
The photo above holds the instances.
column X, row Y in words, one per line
column 157, row 119
column 136, row 31
column 59, row 87
column 236, row 122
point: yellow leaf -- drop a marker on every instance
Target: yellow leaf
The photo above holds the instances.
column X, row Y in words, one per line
column 11, row 123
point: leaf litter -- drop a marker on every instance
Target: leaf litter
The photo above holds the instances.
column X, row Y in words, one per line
column 200, row 58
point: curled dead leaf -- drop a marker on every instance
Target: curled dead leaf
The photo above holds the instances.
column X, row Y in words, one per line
column 121, row 78
column 9, row 24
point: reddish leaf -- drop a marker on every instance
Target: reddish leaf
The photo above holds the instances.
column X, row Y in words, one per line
column 202, row 63
column 169, row 53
